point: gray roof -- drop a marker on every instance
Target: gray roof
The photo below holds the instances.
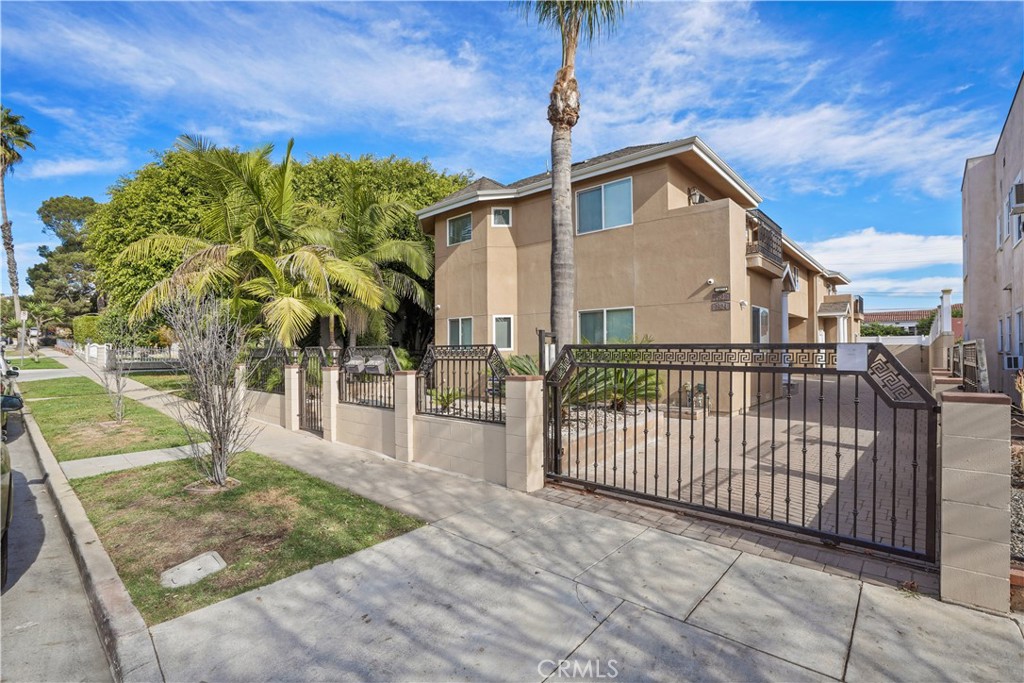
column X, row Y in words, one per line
column 580, row 165
column 834, row 308
column 483, row 183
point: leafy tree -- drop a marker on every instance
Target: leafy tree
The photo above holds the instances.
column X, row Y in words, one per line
column 66, row 278
column 14, row 137
column 882, row 330
column 161, row 197
column 254, row 244
column 42, row 313
column 576, row 21
column 924, row 325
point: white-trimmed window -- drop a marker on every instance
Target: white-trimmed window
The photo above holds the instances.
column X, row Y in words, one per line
column 606, row 326
column 1020, row 332
column 760, row 325
column 501, row 217
column 1000, row 337
column 460, row 331
column 605, row 206
column 460, row 229
column 503, row 332
column 1014, row 223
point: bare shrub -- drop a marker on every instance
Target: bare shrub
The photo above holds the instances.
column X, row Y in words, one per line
column 211, row 341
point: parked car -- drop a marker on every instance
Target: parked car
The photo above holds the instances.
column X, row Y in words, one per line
column 7, row 404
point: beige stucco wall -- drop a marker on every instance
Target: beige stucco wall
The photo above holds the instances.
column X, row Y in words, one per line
column 993, row 272
column 365, row 427
column 474, row 449
column 267, row 407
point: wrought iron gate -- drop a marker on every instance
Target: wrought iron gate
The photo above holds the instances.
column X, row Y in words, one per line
column 783, row 435
column 311, row 380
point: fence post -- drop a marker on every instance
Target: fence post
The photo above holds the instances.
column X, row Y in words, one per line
column 329, row 399
column 405, row 415
column 101, row 355
column 292, row 396
column 974, row 554
column 240, row 378
column 524, row 432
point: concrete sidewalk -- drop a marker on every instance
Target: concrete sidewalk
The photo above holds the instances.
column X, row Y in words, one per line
column 505, row 586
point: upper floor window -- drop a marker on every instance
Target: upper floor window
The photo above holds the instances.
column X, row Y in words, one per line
column 760, row 327
column 606, row 206
column 501, row 218
column 503, row 332
column 1000, row 337
column 460, row 331
column 460, row 229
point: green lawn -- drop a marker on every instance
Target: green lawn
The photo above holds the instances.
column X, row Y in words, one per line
column 278, row 522
column 170, row 382
column 76, row 419
column 42, row 363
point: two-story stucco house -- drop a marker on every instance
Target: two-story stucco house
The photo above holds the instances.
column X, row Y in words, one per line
column 993, row 232
column 669, row 244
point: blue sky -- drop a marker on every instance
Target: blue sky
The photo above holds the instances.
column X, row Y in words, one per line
column 852, row 120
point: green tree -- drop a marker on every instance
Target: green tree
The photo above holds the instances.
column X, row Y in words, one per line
column 66, row 277
column 882, row 330
column 414, row 183
column 253, row 244
column 14, row 137
column 366, row 229
column 161, row 197
column 924, row 325
column 576, row 21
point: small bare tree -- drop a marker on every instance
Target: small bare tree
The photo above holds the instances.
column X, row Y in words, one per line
column 114, row 372
column 211, row 341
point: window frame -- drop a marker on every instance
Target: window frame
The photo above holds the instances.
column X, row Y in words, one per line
column 1019, row 318
column 511, row 331
column 1014, row 223
column 460, row 319
column 448, row 229
column 501, row 208
column 603, row 227
column 604, row 321
column 999, row 337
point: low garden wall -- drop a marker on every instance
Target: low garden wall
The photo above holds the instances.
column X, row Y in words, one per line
column 475, row 449
column 267, row 407
column 366, row 427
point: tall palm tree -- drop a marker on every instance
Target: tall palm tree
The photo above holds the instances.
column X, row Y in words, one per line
column 255, row 245
column 576, row 21
column 363, row 228
column 14, row 137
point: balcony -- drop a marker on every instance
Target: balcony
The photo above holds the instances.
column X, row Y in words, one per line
column 764, row 245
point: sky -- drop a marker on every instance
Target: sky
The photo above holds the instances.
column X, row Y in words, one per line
column 851, row 120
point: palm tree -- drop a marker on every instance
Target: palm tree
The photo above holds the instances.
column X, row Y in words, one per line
column 363, row 228
column 254, row 245
column 14, row 137
column 575, row 20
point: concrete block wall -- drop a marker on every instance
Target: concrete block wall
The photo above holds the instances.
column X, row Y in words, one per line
column 266, row 407
column 476, row 449
column 974, row 547
column 365, row 427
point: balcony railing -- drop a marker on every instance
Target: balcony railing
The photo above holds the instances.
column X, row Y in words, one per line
column 764, row 237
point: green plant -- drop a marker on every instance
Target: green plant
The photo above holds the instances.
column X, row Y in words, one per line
column 523, row 365
column 85, row 328
column 405, row 361
column 445, row 397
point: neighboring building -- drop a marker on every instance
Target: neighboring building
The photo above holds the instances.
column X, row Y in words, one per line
column 993, row 231
column 669, row 244
column 908, row 319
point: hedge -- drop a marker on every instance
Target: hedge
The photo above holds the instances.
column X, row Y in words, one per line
column 86, row 328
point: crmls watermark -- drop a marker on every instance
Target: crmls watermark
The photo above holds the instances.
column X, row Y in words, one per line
column 573, row 668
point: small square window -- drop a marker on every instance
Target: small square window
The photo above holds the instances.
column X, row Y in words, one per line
column 501, row 218
column 460, row 331
column 503, row 332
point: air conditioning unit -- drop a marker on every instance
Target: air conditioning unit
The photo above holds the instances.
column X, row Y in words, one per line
column 696, row 196
column 1013, row 362
column 1017, row 199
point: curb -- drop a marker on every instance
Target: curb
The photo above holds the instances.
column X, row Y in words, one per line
column 123, row 633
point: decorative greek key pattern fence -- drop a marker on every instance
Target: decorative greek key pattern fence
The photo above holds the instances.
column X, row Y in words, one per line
column 776, row 434
column 367, row 376
column 463, row 382
column 265, row 370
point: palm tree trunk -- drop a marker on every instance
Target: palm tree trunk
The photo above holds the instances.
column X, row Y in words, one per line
column 563, row 113
column 12, row 264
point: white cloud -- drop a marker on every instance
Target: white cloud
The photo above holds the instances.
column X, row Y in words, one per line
column 916, row 287
column 58, row 168
column 868, row 251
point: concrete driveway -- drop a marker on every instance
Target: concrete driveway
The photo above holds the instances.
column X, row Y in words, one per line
column 516, row 588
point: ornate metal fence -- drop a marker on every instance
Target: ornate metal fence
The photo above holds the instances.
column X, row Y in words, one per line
column 975, row 367
column 265, row 370
column 464, row 382
column 367, row 376
column 842, row 447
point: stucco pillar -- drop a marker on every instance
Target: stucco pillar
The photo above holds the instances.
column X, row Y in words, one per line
column 292, row 397
column 974, row 555
column 240, row 372
column 946, row 312
column 405, row 414
column 329, row 402
column 524, row 432
column 101, row 355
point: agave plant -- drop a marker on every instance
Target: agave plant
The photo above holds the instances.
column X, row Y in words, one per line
column 445, row 397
